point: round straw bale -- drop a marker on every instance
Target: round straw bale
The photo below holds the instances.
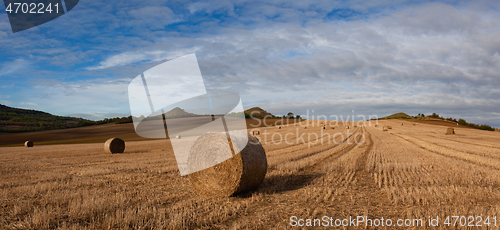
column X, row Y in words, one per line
column 323, row 127
column 385, row 128
column 401, row 123
column 450, row 131
column 178, row 137
column 242, row 172
column 114, row 145
column 333, row 127
column 256, row 132
column 28, row 144
column 305, row 127
column 389, row 127
column 376, row 125
column 279, row 127
column 295, row 125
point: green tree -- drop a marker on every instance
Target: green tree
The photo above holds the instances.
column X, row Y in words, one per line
column 462, row 122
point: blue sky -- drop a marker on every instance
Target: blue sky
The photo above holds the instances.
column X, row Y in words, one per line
column 376, row 57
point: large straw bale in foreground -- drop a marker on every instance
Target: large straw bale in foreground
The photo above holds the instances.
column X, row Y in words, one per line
column 242, row 172
column 28, row 144
column 114, row 145
column 450, row 131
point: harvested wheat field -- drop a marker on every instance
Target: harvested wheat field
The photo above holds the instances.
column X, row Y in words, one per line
column 408, row 172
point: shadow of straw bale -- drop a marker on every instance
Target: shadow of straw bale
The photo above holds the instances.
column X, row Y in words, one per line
column 282, row 183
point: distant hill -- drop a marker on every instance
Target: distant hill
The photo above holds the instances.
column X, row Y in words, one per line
column 398, row 116
column 174, row 113
column 13, row 120
column 435, row 119
column 178, row 113
column 257, row 112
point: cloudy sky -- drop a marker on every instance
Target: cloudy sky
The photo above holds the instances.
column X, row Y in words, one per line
column 333, row 57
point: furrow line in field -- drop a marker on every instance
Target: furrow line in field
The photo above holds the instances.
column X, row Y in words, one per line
column 458, row 155
column 299, row 146
column 461, row 150
column 465, row 142
column 320, row 158
column 296, row 155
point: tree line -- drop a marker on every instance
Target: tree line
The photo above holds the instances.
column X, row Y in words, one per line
column 13, row 120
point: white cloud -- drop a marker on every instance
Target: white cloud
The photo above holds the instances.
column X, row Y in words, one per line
column 429, row 57
column 13, row 66
column 127, row 58
column 28, row 103
column 106, row 96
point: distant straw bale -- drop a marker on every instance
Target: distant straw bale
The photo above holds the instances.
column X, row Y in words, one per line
column 114, row 145
column 28, row 144
column 385, row 128
column 450, row 131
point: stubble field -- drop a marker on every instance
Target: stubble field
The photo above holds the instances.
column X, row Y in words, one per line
column 408, row 172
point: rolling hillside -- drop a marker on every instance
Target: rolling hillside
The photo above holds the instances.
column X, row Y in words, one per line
column 398, row 116
column 23, row 120
column 435, row 119
column 257, row 112
column 13, row 120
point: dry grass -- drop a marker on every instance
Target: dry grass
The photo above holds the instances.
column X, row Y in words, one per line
column 410, row 172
